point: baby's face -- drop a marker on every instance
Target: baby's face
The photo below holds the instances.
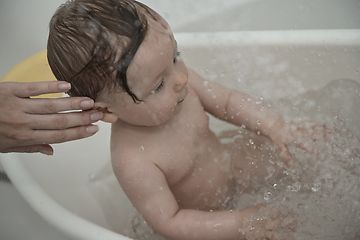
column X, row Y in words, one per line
column 157, row 76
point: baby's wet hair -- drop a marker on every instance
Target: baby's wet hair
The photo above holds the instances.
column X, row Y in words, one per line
column 92, row 43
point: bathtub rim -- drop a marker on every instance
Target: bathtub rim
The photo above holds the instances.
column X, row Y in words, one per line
column 59, row 217
column 337, row 37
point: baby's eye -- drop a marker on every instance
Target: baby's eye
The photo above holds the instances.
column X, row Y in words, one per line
column 158, row 88
column 176, row 59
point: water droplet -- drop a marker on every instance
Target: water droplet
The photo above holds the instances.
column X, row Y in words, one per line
column 91, row 176
column 142, row 148
column 251, row 141
column 316, row 187
column 267, row 196
column 258, row 133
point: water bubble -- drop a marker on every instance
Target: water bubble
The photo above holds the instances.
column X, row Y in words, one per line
column 137, row 23
column 267, row 196
column 316, row 187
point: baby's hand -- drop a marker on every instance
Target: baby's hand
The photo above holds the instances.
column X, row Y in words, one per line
column 302, row 134
column 272, row 224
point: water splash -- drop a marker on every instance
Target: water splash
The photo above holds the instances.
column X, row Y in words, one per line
column 321, row 192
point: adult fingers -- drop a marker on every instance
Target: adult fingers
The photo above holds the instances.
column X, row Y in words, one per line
column 25, row 90
column 59, row 136
column 41, row 148
column 48, row 106
column 65, row 120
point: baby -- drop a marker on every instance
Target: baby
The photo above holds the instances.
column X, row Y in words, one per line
column 169, row 163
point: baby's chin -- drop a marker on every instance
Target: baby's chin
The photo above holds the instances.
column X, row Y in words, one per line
column 165, row 118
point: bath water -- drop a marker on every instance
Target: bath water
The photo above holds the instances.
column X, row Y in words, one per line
column 321, row 191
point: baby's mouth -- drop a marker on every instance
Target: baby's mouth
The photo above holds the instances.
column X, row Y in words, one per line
column 184, row 97
column 181, row 101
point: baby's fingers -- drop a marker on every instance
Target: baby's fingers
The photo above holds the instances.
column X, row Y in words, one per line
column 284, row 154
column 309, row 146
column 320, row 131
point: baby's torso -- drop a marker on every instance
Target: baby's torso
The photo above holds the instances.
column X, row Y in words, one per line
column 189, row 155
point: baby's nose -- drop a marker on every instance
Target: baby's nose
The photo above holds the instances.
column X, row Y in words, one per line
column 181, row 81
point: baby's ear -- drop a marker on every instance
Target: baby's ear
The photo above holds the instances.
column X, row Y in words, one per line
column 109, row 117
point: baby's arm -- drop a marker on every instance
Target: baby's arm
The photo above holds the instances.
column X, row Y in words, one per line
column 146, row 187
column 241, row 109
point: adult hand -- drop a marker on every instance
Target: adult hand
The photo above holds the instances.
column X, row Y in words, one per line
column 31, row 124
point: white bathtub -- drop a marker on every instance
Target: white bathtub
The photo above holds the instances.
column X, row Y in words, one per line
column 65, row 190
